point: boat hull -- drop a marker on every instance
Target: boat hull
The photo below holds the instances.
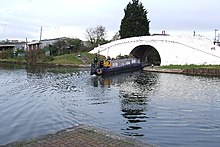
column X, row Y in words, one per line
column 116, row 70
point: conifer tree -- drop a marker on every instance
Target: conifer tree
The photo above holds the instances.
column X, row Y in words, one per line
column 135, row 22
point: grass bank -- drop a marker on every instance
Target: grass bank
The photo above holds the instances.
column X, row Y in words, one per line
column 66, row 59
column 83, row 58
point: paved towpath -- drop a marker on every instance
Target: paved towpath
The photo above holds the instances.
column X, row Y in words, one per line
column 80, row 136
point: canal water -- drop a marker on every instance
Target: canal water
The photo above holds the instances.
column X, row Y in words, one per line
column 157, row 108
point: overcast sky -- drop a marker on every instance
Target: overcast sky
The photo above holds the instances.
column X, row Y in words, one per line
column 20, row 19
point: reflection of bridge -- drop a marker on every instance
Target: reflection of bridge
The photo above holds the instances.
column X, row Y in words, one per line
column 164, row 50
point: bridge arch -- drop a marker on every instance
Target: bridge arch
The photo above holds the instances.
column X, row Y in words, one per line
column 147, row 54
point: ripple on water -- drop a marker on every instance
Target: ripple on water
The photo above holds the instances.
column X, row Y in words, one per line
column 163, row 109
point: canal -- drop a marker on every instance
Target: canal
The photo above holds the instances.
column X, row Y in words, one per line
column 157, row 108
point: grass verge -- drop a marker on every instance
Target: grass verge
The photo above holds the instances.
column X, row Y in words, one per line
column 75, row 59
column 66, row 59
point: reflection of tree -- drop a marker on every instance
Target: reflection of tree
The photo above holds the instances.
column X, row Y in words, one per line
column 11, row 66
column 133, row 109
column 146, row 81
column 133, row 90
column 134, row 101
column 35, row 71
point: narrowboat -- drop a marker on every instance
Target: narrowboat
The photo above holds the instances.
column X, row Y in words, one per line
column 111, row 67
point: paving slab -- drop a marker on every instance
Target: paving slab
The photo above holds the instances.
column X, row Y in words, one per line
column 80, row 136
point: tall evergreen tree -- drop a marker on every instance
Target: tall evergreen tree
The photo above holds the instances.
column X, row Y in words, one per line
column 135, row 22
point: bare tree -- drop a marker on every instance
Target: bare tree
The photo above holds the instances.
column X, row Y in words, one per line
column 96, row 36
column 116, row 36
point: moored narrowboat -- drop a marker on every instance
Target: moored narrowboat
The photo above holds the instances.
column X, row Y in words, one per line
column 110, row 67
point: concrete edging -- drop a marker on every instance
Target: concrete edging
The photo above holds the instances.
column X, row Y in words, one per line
column 200, row 72
column 81, row 135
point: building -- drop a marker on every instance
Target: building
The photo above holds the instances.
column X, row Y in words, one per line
column 11, row 45
column 41, row 44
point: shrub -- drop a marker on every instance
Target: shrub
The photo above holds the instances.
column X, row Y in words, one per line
column 6, row 54
column 38, row 55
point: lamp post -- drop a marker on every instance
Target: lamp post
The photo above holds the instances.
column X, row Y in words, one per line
column 218, row 37
column 215, row 34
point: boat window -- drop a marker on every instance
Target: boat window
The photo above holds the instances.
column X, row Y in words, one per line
column 124, row 62
column 115, row 64
column 128, row 62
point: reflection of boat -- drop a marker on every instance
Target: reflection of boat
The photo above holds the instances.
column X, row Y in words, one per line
column 114, row 80
column 109, row 67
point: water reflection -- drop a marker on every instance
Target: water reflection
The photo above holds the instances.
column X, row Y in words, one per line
column 134, row 101
column 11, row 66
column 112, row 80
column 163, row 109
column 134, row 89
column 35, row 72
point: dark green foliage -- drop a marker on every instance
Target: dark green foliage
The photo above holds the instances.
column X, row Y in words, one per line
column 6, row 54
column 135, row 22
column 75, row 44
column 19, row 53
column 31, row 56
column 66, row 46
column 59, row 48
column 36, row 56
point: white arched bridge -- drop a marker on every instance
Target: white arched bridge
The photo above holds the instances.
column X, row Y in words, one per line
column 164, row 50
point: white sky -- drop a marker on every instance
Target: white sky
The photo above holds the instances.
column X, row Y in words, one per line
column 20, row 19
